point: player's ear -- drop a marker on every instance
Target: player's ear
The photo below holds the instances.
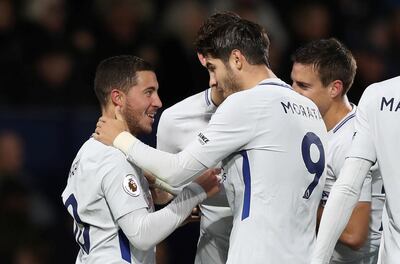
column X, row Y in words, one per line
column 336, row 88
column 117, row 97
column 236, row 59
column 202, row 59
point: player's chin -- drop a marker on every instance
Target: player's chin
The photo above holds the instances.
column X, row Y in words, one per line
column 148, row 128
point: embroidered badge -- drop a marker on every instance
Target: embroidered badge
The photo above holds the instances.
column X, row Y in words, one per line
column 130, row 185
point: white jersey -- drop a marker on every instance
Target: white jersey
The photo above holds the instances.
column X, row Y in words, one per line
column 178, row 126
column 102, row 187
column 377, row 139
column 271, row 142
column 339, row 141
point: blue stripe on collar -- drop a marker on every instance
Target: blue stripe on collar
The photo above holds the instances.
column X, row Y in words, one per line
column 343, row 122
column 206, row 97
column 277, row 84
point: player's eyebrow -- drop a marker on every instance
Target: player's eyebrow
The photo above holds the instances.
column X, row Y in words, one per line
column 304, row 84
column 151, row 88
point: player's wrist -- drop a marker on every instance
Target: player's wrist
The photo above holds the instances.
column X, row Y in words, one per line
column 124, row 141
column 197, row 190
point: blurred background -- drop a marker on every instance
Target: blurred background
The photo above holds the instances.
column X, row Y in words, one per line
column 49, row 50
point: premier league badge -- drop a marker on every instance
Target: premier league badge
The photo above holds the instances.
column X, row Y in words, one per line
column 130, row 185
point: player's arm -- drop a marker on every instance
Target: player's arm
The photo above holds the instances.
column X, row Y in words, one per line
column 161, row 192
column 174, row 169
column 340, row 205
column 144, row 230
column 356, row 232
column 226, row 129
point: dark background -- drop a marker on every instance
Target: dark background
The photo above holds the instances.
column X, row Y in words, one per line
column 49, row 50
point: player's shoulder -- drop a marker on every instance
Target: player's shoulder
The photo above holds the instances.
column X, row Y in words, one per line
column 187, row 105
column 268, row 89
column 383, row 87
column 389, row 82
column 100, row 155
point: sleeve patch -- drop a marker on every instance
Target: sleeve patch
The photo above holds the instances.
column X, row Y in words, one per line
column 131, row 186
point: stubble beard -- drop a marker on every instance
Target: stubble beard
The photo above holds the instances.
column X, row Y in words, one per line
column 133, row 121
column 230, row 83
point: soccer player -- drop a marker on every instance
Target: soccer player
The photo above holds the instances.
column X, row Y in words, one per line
column 178, row 125
column 269, row 139
column 376, row 139
column 107, row 196
column 324, row 70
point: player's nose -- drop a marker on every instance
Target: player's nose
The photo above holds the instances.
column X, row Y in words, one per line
column 212, row 82
column 157, row 101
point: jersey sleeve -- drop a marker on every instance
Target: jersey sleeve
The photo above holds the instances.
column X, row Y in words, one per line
column 363, row 143
column 144, row 230
column 230, row 128
column 335, row 164
column 366, row 191
column 339, row 208
column 122, row 187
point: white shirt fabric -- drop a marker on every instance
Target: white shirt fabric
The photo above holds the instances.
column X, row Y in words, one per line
column 339, row 141
column 377, row 139
column 271, row 141
column 98, row 193
column 258, row 133
column 113, row 210
column 177, row 127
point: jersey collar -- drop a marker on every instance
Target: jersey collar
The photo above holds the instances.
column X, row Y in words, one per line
column 210, row 104
column 274, row 81
column 346, row 118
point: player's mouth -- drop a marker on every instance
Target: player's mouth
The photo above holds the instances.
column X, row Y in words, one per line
column 151, row 115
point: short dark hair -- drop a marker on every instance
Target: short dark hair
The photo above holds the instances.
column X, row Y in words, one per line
column 117, row 72
column 331, row 59
column 223, row 32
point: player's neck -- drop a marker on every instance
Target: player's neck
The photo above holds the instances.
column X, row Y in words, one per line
column 336, row 113
column 108, row 111
column 255, row 74
column 216, row 97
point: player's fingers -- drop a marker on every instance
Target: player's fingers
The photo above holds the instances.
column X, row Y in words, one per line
column 217, row 170
column 102, row 119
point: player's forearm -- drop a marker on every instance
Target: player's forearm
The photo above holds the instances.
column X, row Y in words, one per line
column 144, row 230
column 356, row 232
column 174, row 169
column 339, row 207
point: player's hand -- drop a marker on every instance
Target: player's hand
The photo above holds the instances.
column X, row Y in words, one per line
column 107, row 129
column 209, row 181
column 159, row 196
column 151, row 179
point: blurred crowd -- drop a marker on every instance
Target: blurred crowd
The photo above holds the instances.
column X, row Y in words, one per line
column 49, row 50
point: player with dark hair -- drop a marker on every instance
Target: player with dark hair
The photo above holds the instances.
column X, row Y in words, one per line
column 324, row 70
column 107, row 196
column 260, row 128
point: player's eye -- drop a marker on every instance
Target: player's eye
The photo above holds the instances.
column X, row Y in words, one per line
column 302, row 85
column 210, row 67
